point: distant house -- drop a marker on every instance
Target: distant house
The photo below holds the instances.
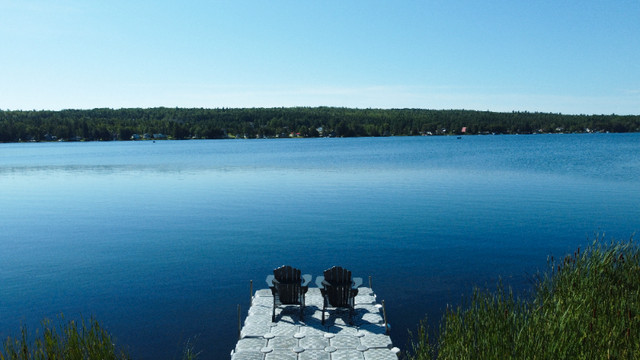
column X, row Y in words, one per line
column 135, row 137
column 159, row 136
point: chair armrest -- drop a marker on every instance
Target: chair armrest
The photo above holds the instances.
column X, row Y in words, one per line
column 270, row 279
column 356, row 282
column 306, row 279
column 319, row 281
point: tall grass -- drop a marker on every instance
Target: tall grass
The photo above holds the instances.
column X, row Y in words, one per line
column 86, row 340
column 585, row 306
column 189, row 351
column 69, row 340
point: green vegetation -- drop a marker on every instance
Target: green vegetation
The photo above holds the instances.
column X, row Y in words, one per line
column 69, row 341
column 585, row 307
column 177, row 123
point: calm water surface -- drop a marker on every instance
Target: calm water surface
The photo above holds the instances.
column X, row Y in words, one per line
column 159, row 240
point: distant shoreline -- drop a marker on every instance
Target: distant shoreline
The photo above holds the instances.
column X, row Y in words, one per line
column 299, row 122
column 81, row 140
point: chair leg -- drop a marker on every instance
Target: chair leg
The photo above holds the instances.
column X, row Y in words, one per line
column 351, row 310
column 350, row 316
column 273, row 314
column 324, row 306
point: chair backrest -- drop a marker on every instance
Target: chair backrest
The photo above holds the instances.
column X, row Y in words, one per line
column 289, row 284
column 339, row 292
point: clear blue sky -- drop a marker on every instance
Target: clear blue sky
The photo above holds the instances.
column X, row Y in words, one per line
column 573, row 57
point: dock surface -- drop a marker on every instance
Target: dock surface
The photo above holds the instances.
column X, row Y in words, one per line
column 291, row 338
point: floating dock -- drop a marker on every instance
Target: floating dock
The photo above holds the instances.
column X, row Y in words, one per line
column 292, row 339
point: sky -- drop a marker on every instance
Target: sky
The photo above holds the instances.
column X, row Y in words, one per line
column 570, row 57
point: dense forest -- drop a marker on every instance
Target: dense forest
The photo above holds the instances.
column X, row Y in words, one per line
column 181, row 123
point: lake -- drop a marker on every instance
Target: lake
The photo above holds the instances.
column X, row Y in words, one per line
column 158, row 240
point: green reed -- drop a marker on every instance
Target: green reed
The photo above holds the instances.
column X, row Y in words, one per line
column 86, row 340
column 69, row 340
column 585, row 306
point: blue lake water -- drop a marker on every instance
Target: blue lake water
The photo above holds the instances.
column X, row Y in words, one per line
column 159, row 240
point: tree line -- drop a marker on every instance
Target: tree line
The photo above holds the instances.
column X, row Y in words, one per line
column 200, row 123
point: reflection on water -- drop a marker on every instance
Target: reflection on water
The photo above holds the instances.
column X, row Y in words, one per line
column 159, row 240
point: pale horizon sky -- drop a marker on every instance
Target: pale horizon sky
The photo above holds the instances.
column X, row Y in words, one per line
column 571, row 57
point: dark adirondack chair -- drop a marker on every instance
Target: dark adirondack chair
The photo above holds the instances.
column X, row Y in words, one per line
column 288, row 288
column 338, row 290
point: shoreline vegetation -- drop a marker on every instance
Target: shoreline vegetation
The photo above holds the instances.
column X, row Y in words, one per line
column 585, row 306
column 68, row 340
column 251, row 123
column 71, row 340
